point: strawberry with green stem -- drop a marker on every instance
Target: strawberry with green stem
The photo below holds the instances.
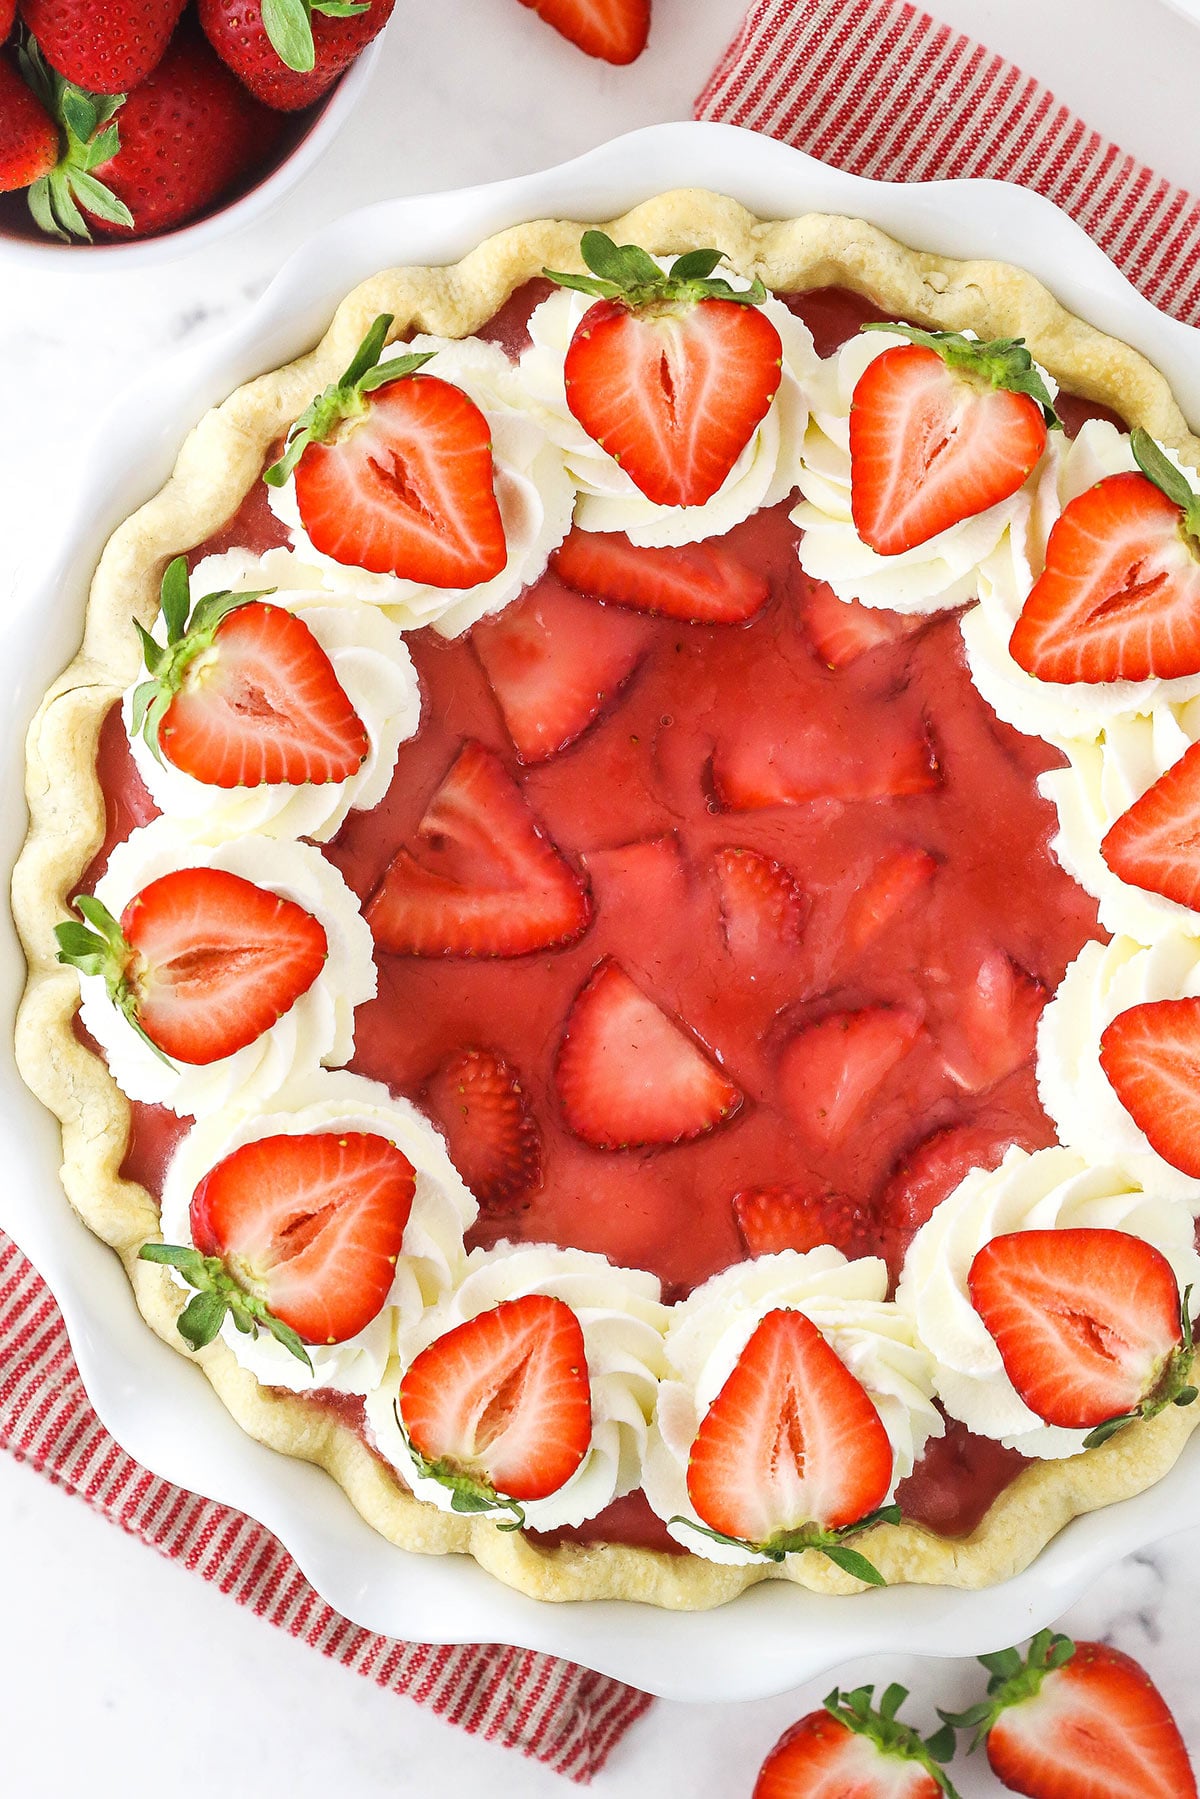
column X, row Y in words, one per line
column 670, row 372
column 288, row 53
column 850, row 1750
column 86, row 139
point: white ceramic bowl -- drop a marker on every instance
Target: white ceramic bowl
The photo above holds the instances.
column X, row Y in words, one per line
column 775, row 1636
column 51, row 255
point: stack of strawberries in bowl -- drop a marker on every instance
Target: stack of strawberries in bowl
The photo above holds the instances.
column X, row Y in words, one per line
column 124, row 119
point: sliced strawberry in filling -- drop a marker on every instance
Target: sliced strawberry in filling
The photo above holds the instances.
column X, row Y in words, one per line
column 830, row 1071
column 310, row 1224
column 993, row 1030
column 478, row 1102
column 792, row 1439
column 800, row 1216
column 628, row 1074
column 809, row 761
column 699, row 583
column 1151, row 1055
column 1156, row 844
column 481, row 879
column 501, row 1405
column 762, row 904
column 895, row 882
column 556, row 662
column 841, row 631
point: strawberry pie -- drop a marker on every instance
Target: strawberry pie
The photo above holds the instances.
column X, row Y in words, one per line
column 614, row 913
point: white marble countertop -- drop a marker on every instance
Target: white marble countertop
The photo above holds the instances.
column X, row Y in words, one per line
column 164, row 1681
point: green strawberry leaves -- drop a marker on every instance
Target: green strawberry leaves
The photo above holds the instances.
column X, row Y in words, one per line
column 469, row 1493
column 1012, row 1679
column 90, row 139
column 1159, row 468
column 104, row 950
column 217, row 1296
column 857, row 1713
column 830, row 1543
column 346, row 397
column 1004, row 362
column 187, row 638
column 626, row 272
column 288, row 24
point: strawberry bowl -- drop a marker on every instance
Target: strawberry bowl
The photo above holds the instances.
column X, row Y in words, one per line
column 772, row 1637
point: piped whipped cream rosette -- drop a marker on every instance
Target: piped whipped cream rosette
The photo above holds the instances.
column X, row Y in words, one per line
column 1099, row 552
column 1134, row 857
column 336, row 1214
column 1036, row 1248
column 214, row 973
column 424, row 483
column 276, row 730
column 526, row 1393
column 1117, row 1053
column 623, row 371
column 789, row 1348
column 922, row 448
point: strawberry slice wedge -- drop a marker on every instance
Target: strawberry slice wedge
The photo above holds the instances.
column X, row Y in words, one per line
column 297, row 1235
column 792, row 1450
column 762, row 904
column 242, row 694
column 613, row 30
column 807, row 761
column 1078, row 1721
column 830, row 1071
column 556, row 662
column 481, row 878
column 890, row 888
column 499, row 1410
column 627, row 1074
column 1151, row 1055
column 841, row 631
column 941, row 428
column 1119, row 598
column 994, row 1030
column 791, row 1216
column 1156, row 844
column 851, row 1751
column 670, row 373
column 201, row 962
column 393, row 472
column 478, row 1103
column 697, row 583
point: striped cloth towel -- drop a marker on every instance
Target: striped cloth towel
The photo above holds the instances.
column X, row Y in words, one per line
column 881, row 89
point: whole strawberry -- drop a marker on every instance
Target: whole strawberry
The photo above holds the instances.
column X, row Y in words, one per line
column 289, row 52
column 28, row 134
column 106, row 46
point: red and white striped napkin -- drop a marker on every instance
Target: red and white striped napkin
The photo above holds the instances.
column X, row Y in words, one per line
column 881, row 89
column 877, row 88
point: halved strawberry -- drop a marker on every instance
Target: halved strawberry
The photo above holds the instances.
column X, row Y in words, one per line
column 556, row 662
column 297, row 1235
column 1119, row 597
column 481, row 879
column 892, row 885
column 808, row 761
column 671, row 373
column 477, row 1101
column 393, row 472
column 699, row 583
column 994, row 1028
column 792, row 1449
column 242, row 694
column 1088, row 1324
column 201, row 962
column 627, row 1074
column 830, row 1071
column 614, row 30
column 930, row 1171
column 500, row 1408
column 796, row 1216
column 762, row 903
column 1156, row 844
column 841, row 631
column 1078, row 1721
column 1151, row 1055
column 851, row 1751
column 941, row 428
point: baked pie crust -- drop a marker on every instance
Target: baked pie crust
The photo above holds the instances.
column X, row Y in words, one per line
column 219, row 463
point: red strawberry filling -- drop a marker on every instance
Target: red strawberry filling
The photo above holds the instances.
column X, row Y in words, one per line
column 820, row 867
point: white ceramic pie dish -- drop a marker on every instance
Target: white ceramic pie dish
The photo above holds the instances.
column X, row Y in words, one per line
column 774, row 1636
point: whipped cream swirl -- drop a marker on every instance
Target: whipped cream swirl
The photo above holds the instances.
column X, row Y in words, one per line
column 372, row 664
column 318, row 1028
column 710, row 1329
column 535, row 495
column 763, row 475
column 623, row 1324
column 1104, row 980
column 1052, row 1189
column 432, row 1254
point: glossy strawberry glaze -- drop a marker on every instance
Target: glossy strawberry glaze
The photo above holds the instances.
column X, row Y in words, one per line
column 641, row 806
